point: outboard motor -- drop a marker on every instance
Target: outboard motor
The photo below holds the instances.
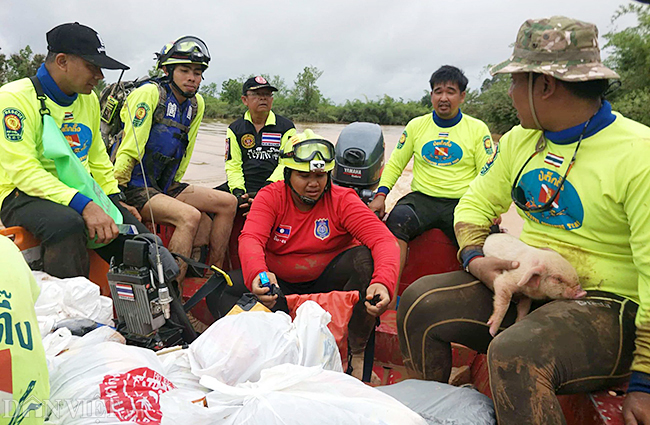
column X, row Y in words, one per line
column 360, row 158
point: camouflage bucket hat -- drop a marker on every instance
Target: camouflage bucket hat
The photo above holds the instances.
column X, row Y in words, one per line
column 564, row 48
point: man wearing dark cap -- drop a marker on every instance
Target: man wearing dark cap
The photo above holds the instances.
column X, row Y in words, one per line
column 31, row 192
column 253, row 142
column 580, row 177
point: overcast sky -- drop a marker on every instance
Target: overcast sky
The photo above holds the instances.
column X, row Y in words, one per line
column 364, row 48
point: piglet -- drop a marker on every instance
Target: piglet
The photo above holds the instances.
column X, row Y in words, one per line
column 542, row 274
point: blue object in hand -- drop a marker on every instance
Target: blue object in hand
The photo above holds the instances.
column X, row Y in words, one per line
column 266, row 283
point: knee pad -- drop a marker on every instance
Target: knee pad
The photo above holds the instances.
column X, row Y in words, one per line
column 403, row 222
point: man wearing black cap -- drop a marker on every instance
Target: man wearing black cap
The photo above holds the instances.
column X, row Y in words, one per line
column 31, row 192
column 253, row 142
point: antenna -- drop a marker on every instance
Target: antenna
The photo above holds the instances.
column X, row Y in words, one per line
column 163, row 291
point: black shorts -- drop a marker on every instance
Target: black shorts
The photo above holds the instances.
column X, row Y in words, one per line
column 137, row 196
column 416, row 213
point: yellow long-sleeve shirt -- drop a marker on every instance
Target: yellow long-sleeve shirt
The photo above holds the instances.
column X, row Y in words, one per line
column 446, row 159
column 22, row 164
column 601, row 221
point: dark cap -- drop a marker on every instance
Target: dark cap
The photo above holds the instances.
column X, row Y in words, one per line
column 256, row 83
column 82, row 41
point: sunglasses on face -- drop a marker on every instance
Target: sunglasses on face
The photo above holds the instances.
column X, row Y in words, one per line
column 519, row 196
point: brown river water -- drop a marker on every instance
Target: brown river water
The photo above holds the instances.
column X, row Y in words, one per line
column 207, row 165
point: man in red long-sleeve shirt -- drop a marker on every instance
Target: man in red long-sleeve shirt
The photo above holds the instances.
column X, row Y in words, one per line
column 305, row 233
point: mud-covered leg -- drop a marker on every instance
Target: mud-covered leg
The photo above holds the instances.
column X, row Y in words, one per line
column 562, row 347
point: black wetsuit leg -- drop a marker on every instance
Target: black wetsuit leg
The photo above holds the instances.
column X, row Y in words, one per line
column 562, row 347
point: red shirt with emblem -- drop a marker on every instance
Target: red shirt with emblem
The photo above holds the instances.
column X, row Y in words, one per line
column 297, row 245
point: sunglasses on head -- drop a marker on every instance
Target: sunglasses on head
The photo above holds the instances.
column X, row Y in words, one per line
column 519, row 196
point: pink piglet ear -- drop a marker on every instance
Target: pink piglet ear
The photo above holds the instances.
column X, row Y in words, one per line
column 532, row 277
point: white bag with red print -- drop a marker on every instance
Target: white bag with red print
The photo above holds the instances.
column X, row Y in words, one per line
column 107, row 383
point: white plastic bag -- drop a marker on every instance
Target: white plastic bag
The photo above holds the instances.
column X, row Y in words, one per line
column 107, row 383
column 237, row 348
column 73, row 297
column 317, row 344
column 291, row 394
column 176, row 362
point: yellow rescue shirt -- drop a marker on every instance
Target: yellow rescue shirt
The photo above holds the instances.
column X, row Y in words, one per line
column 445, row 158
column 24, row 384
column 600, row 222
column 22, row 164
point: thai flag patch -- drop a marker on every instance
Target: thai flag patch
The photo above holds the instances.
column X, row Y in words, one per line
column 283, row 231
column 444, row 135
column 124, row 292
column 554, row 160
column 271, row 139
column 440, row 151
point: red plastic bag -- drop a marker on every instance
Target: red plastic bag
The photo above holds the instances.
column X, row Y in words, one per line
column 337, row 303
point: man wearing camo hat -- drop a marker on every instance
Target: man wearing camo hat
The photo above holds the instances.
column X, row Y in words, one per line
column 580, row 177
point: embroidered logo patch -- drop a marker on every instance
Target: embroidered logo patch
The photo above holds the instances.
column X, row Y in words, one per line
column 80, row 138
column 248, row 141
column 141, row 112
column 13, row 120
column 487, row 145
column 490, row 161
column 540, row 186
column 227, row 153
column 322, row 228
column 260, row 80
column 402, row 140
column 442, row 152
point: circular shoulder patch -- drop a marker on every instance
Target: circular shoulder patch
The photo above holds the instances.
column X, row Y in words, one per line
column 248, row 141
column 140, row 115
column 402, row 140
column 13, row 124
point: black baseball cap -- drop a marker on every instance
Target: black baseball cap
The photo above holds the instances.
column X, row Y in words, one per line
column 82, row 41
column 255, row 83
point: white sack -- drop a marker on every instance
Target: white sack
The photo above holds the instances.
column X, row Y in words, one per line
column 237, row 348
column 291, row 394
column 317, row 344
column 68, row 298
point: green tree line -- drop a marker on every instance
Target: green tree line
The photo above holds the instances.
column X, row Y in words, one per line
column 303, row 101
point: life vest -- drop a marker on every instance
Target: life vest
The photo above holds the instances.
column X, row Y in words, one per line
column 168, row 141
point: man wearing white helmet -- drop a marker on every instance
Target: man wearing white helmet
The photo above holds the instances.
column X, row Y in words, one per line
column 161, row 122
